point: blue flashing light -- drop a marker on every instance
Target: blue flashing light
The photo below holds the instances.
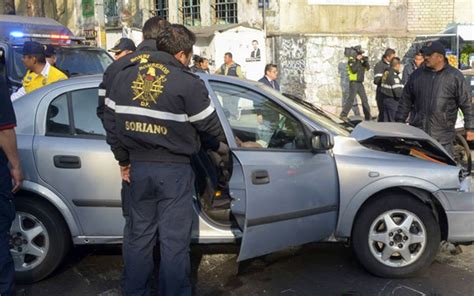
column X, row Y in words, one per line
column 17, row 34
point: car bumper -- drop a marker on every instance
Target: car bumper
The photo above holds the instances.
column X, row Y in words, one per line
column 459, row 207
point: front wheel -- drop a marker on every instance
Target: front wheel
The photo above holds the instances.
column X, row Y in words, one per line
column 395, row 236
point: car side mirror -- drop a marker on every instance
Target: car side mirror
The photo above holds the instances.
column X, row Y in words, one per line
column 321, row 141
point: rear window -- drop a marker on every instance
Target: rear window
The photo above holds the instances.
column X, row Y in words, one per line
column 72, row 61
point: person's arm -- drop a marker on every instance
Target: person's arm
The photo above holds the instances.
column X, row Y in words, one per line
column 9, row 147
column 463, row 100
column 378, row 73
column 406, row 102
column 354, row 65
column 397, row 86
column 19, row 93
column 239, row 72
column 406, row 74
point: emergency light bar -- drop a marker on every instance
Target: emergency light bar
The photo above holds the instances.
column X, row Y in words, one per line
column 18, row 34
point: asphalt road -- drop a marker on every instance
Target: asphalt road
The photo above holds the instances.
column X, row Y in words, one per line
column 315, row 269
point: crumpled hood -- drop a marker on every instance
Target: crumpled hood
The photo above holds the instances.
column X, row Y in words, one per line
column 374, row 133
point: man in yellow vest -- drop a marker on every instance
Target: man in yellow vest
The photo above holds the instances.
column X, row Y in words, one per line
column 40, row 72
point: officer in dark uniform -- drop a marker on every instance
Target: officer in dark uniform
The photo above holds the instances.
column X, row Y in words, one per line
column 50, row 54
column 356, row 67
column 155, row 111
column 8, row 153
column 392, row 89
column 379, row 69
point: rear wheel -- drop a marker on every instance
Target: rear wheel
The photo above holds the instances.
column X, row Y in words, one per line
column 395, row 236
column 39, row 240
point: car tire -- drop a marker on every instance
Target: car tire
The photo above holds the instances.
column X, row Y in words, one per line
column 39, row 242
column 393, row 250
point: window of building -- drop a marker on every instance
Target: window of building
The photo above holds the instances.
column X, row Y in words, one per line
column 191, row 12
column 161, row 9
column 225, row 11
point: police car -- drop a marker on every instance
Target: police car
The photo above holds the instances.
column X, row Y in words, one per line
column 71, row 53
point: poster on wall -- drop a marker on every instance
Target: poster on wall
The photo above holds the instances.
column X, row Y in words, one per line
column 88, row 8
column 350, row 2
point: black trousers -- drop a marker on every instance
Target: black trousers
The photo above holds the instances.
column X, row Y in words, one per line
column 161, row 196
column 356, row 88
column 390, row 106
column 7, row 215
column 380, row 106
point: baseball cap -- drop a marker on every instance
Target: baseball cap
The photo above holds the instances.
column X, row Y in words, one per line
column 435, row 46
column 32, row 48
column 49, row 50
column 123, row 44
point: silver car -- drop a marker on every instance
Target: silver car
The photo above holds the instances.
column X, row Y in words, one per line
column 297, row 177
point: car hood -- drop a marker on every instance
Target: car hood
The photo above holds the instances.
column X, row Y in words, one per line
column 401, row 139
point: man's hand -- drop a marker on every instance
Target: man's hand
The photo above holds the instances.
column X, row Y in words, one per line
column 17, row 178
column 125, row 173
column 223, row 149
column 470, row 135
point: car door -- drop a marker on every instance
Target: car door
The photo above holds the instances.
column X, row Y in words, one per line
column 73, row 158
column 291, row 193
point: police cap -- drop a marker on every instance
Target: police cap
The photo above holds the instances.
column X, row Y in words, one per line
column 123, row 44
column 33, row 48
column 49, row 50
column 435, row 46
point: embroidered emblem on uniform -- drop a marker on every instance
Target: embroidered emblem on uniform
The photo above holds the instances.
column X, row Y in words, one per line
column 397, row 80
column 44, row 81
column 148, row 85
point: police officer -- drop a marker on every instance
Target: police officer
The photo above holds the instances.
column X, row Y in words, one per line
column 356, row 67
column 155, row 111
column 123, row 47
column 380, row 68
column 230, row 68
column 414, row 64
column 392, row 89
column 50, row 54
column 8, row 154
column 40, row 72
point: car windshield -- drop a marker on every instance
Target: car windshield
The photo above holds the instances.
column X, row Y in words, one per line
column 328, row 121
column 70, row 61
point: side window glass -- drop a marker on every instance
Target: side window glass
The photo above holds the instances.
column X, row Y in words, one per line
column 257, row 122
column 84, row 106
column 57, row 119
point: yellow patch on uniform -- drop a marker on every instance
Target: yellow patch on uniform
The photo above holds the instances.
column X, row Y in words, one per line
column 143, row 58
column 144, row 127
column 149, row 83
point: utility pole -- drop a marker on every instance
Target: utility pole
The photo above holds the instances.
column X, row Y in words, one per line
column 100, row 25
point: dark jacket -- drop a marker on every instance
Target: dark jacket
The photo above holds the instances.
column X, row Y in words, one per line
column 232, row 71
column 436, row 97
column 357, row 69
column 391, row 85
column 147, row 45
column 379, row 69
column 156, row 109
column 407, row 71
column 265, row 81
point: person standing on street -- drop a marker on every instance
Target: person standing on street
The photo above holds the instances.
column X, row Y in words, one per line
column 230, row 68
column 392, row 89
column 270, row 77
column 379, row 69
column 8, row 154
column 414, row 64
column 434, row 93
column 123, row 47
column 156, row 110
column 40, row 72
column 356, row 67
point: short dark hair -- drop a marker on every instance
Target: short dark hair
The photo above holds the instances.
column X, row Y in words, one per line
column 254, row 41
column 388, row 51
column 202, row 60
column 41, row 58
column 419, row 53
column 175, row 38
column 395, row 61
column 229, row 54
column 268, row 67
column 153, row 26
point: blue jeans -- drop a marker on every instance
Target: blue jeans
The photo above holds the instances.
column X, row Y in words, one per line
column 7, row 215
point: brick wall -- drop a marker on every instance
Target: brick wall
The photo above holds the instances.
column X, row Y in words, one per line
column 429, row 16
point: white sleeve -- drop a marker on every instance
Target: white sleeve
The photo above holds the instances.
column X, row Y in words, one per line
column 19, row 93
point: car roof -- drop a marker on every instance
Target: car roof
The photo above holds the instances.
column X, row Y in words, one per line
column 37, row 25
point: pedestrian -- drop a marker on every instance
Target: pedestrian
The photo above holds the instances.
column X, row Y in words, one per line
column 123, row 47
column 194, row 68
column 50, row 54
column 270, row 76
column 230, row 68
column 392, row 89
column 434, row 93
column 8, row 154
column 39, row 71
column 155, row 111
column 202, row 66
column 380, row 68
column 414, row 64
column 356, row 67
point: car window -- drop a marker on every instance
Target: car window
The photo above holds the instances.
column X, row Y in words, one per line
column 84, row 106
column 257, row 122
column 57, row 119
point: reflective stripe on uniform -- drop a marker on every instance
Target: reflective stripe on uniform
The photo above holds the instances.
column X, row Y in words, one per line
column 397, row 86
column 386, row 86
column 378, row 75
column 109, row 103
column 202, row 115
column 101, row 92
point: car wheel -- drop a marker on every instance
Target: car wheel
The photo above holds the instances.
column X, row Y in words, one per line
column 395, row 236
column 39, row 240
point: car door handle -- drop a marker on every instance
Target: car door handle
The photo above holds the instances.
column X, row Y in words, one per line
column 260, row 177
column 67, row 162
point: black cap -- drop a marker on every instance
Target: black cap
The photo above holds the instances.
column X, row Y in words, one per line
column 358, row 49
column 32, row 48
column 433, row 47
column 123, row 44
column 49, row 50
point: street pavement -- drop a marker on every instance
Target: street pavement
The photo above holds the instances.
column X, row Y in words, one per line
column 314, row 269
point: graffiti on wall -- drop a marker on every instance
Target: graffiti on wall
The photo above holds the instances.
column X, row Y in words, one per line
column 292, row 64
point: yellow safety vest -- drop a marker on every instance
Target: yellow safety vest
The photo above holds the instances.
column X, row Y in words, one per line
column 33, row 81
